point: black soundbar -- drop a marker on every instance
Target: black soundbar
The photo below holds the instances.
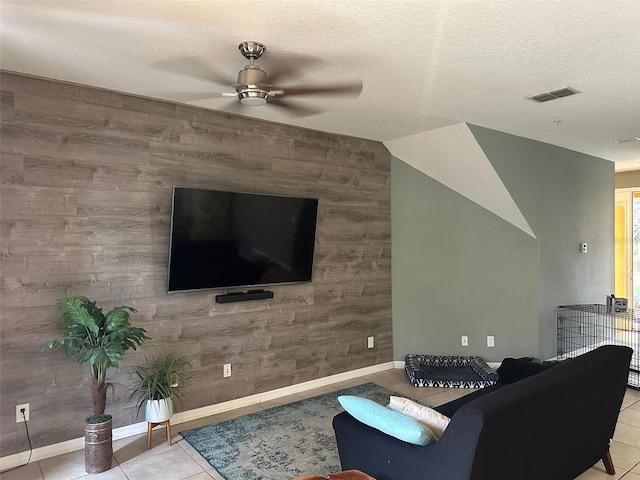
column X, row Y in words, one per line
column 244, row 296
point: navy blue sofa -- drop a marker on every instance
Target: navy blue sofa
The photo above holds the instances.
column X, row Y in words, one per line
column 553, row 425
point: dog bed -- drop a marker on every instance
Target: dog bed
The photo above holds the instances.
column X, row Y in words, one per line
column 448, row 371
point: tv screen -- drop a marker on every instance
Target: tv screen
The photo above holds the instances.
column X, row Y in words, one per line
column 227, row 239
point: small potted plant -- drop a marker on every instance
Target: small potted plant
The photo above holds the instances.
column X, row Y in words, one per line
column 159, row 381
column 100, row 339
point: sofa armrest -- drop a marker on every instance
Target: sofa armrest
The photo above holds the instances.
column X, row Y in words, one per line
column 386, row 458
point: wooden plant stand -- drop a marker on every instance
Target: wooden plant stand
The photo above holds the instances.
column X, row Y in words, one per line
column 166, row 424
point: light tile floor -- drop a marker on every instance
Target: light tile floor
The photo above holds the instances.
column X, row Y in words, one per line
column 132, row 460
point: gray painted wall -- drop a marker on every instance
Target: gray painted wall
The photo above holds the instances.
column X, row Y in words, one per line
column 460, row 270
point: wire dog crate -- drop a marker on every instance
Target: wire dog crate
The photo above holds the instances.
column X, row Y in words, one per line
column 585, row 327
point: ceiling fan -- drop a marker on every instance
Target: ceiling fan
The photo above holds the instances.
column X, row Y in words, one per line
column 254, row 87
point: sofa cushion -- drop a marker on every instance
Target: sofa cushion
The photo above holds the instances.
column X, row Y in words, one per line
column 450, row 408
column 396, row 424
column 433, row 419
column 512, row 370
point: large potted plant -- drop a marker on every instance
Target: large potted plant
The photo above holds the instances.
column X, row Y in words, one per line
column 159, row 381
column 89, row 335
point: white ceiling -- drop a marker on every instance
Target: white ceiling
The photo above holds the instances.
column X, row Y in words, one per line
column 424, row 64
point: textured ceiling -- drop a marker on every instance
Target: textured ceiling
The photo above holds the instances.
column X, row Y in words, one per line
column 423, row 64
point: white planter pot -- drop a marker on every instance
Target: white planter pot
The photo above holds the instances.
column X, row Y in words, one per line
column 157, row 411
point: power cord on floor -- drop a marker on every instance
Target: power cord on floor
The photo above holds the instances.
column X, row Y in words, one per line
column 22, row 412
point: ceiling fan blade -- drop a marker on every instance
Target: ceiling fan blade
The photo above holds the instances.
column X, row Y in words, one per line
column 293, row 109
column 193, row 67
column 191, row 96
column 280, row 64
column 350, row 89
column 274, row 74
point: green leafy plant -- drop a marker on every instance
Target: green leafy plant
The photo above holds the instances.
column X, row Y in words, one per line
column 94, row 419
column 161, row 376
column 91, row 336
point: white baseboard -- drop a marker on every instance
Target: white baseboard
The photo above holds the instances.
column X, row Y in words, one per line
column 72, row 445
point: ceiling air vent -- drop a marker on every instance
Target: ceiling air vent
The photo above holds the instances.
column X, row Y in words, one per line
column 556, row 94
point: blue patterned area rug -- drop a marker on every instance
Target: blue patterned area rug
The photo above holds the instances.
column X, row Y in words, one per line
column 279, row 443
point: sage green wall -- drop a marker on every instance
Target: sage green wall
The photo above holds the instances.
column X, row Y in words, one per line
column 460, row 270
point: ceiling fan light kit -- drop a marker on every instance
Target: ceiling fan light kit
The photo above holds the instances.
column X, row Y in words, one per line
column 253, row 97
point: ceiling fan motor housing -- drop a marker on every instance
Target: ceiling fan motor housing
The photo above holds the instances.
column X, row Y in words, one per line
column 252, row 86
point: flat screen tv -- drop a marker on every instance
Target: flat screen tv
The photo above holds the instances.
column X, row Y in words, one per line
column 227, row 239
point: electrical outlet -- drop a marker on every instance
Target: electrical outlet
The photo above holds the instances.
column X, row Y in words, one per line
column 465, row 340
column 19, row 418
column 490, row 341
column 226, row 370
column 370, row 342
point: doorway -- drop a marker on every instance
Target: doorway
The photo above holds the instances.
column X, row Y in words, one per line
column 627, row 245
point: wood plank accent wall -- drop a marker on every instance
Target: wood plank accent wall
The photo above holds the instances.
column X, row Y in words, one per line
column 86, row 177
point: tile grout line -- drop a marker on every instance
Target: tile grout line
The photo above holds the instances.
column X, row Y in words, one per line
column 630, row 470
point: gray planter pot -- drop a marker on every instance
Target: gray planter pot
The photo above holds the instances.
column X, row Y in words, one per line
column 98, row 449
